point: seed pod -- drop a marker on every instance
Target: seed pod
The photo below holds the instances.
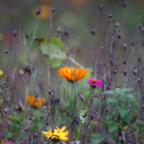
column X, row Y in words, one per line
column 119, row 35
column 53, row 10
column 57, row 100
column 110, row 15
column 81, row 98
column 135, row 72
column 5, row 51
column 93, row 31
column 100, row 7
column 139, row 80
column 117, row 25
column 124, row 4
column 35, row 135
column 124, row 62
column 14, row 32
column 124, row 46
column 59, row 30
column 68, row 113
column 139, row 59
column 26, row 35
column 92, row 115
column 47, row 123
column 114, row 71
column 125, row 72
column 37, row 12
column 106, row 110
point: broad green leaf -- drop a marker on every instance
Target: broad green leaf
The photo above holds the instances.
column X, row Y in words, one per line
column 53, row 49
column 122, row 111
column 111, row 92
column 97, row 138
column 118, row 91
column 110, row 100
column 112, row 128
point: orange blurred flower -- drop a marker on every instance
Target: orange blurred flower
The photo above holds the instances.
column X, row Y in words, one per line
column 78, row 2
column 35, row 101
column 45, row 11
column 71, row 73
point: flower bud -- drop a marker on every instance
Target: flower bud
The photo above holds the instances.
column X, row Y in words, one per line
column 93, row 31
column 135, row 72
column 81, row 98
column 47, row 123
column 125, row 72
column 124, row 46
column 114, row 71
column 37, row 12
column 117, row 25
column 68, row 113
column 119, row 35
column 53, row 10
column 139, row 80
column 5, row 51
column 106, row 110
column 100, row 7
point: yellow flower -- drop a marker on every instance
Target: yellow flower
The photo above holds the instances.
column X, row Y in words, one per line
column 125, row 127
column 1, row 73
column 35, row 101
column 71, row 73
column 57, row 135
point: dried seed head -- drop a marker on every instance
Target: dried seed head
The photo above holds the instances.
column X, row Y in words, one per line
column 124, row 4
column 142, row 29
column 28, row 69
column 93, row 31
column 14, row 32
column 135, row 72
column 68, row 113
column 114, row 71
column 26, row 35
column 59, row 30
column 124, row 62
column 50, row 91
column 47, row 123
column 108, row 87
column 125, row 72
column 26, row 129
column 35, row 135
column 38, row 11
column 81, row 98
column 106, row 110
column 57, row 100
column 143, row 106
column 66, row 32
column 110, row 15
column 117, row 25
column 100, row 6
column 92, row 115
column 5, row 51
column 102, row 48
column 53, row 9
column 139, row 80
column 124, row 46
column 139, row 59
column 119, row 35
column 117, row 85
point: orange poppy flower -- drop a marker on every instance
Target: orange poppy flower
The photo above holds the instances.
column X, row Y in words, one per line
column 35, row 101
column 71, row 73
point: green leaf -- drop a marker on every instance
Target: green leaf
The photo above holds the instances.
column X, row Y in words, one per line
column 111, row 92
column 82, row 113
column 118, row 91
column 110, row 100
column 53, row 49
column 122, row 111
column 97, row 138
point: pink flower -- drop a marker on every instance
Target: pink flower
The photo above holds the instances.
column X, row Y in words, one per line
column 94, row 82
column 8, row 143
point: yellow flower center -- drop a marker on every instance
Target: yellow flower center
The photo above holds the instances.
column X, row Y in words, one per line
column 94, row 81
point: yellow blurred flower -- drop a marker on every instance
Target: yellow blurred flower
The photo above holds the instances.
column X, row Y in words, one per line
column 57, row 135
column 35, row 101
column 45, row 11
column 71, row 73
column 125, row 127
column 1, row 73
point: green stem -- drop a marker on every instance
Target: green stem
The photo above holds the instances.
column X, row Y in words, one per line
column 85, row 111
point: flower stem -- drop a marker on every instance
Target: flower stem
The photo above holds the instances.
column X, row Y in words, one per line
column 85, row 111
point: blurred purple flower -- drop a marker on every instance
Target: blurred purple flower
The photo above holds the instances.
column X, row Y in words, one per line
column 94, row 82
column 75, row 121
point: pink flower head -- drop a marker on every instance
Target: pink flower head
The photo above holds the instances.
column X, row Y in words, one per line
column 94, row 82
column 8, row 143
